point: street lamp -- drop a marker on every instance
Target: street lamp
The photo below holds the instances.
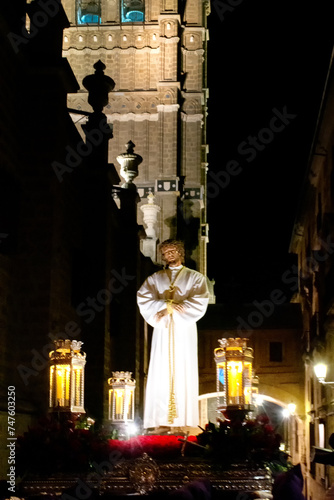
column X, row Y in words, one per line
column 320, row 370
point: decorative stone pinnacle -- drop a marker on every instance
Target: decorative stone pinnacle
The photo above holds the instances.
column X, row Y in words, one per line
column 129, row 162
column 98, row 85
column 150, row 216
column 130, row 147
column 76, row 345
column 99, row 67
column 150, row 198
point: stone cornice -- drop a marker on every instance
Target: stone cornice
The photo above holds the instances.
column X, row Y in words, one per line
column 136, row 117
column 191, row 118
column 173, row 39
column 169, row 84
column 193, row 28
column 172, row 16
column 167, row 108
column 105, row 28
column 198, row 52
column 116, row 50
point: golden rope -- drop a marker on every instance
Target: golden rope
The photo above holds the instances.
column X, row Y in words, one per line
column 169, row 307
column 172, row 413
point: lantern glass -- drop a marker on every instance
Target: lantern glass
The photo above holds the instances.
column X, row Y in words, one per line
column 121, row 397
column 78, row 382
column 62, row 383
column 128, row 405
column 248, row 382
column 221, row 377
column 67, row 376
column 234, row 372
column 119, row 403
column 234, row 380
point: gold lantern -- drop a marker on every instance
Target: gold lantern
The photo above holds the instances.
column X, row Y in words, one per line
column 121, row 397
column 67, row 364
column 234, row 375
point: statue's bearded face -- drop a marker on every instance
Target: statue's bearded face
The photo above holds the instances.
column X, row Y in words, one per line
column 171, row 255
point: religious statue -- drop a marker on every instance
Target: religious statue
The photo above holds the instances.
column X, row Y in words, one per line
column 172, row 301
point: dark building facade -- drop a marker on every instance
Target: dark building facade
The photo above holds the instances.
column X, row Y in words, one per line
column 312, row 242
column 69, row 240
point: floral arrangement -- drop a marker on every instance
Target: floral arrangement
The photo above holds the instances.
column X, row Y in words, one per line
column 54, row 446
column 65, row 446
column 239, row 440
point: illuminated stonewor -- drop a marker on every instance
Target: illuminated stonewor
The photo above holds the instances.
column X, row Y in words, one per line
column 156, row 51
column 67, row 364
column 234, row 377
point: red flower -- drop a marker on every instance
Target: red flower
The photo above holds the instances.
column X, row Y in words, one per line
column 155, row 446
column 262, row 419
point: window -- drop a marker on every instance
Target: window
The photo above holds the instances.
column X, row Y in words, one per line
column 321, row 431
column 133, row 11
column 276, row 352
column 89, row 11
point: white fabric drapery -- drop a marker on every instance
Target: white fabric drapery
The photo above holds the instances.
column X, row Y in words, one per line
column 190, row 289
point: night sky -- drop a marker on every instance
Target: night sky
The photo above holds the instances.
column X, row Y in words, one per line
column 267, row 65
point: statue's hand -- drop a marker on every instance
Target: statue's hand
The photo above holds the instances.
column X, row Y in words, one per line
column 178, row 307
column 161, row 314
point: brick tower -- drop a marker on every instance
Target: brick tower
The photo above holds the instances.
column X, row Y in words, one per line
column 155, row 51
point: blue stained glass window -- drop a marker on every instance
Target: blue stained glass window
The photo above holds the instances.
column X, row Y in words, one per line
column 90, row 18
column 221, row 376
column 133, row 11
column 89, row 11
column 134, row 15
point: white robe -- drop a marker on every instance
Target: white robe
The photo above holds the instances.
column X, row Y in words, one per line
column 191, row 290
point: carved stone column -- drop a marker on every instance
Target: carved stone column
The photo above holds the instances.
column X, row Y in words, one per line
column 150, row 216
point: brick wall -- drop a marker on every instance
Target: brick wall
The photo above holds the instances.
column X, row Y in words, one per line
column 155, row 65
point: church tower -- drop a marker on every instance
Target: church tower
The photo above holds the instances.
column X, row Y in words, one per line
column 155, row 51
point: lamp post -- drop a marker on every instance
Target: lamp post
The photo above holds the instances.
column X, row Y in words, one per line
column 234, row 377
column 320, row 370
column 67, row 363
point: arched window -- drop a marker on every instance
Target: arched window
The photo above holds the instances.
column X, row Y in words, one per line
column 133, row 11
column 89, row 11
